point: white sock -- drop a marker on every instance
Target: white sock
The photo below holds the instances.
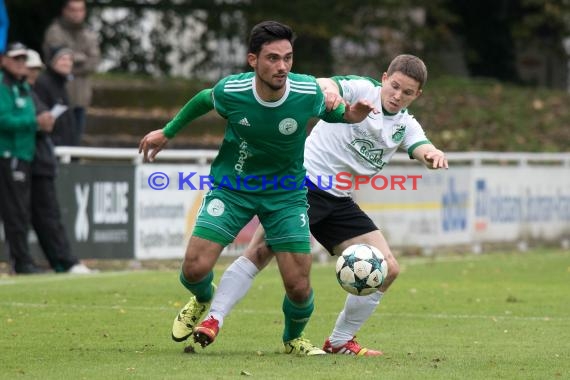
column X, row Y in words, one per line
column 357, row 309
column 234, row 285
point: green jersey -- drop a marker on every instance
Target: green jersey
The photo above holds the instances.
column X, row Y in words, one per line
column 264, row 141
column 17, row 119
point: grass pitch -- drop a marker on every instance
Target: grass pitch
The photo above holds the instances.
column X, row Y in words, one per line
column 490, row 316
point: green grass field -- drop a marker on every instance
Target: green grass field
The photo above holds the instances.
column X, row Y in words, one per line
column 493, row 316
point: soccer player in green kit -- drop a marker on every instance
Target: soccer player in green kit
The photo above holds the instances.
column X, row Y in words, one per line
column 335, row 220
column 258, row 171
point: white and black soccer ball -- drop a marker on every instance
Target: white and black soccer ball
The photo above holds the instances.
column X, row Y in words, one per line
column 361, row 269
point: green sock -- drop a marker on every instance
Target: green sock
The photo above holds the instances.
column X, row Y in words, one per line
column 203, row 289
column 296, row 316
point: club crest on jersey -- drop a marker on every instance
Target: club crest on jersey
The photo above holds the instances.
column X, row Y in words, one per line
column 216, row 207
column 398, row 131
column 288, row 126
column 365, row 149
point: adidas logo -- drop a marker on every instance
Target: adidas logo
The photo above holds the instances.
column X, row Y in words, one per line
column 244, row 122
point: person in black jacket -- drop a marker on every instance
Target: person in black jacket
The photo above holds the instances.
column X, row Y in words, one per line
column 49, row 91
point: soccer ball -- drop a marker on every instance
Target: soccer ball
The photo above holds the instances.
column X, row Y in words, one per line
column 361, row 269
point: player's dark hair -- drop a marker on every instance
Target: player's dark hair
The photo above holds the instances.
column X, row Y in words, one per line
column 411, row 66
column 67, row 2
column 268, row 31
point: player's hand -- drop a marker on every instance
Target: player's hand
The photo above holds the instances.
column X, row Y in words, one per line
column 332, row 100
column 154, row 142
column 358, row 111
column 331, row 93
column 437, row 159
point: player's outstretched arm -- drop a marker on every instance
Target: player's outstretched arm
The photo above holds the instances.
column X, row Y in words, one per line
column 358, row 111
column 430, row 156
column 155, row 141
column 327, row 84
column 339, row 109
column 331, row 92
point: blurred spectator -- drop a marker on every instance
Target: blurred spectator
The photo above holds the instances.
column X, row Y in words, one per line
column 46, row 215
column 51, row 89
column 18, row 124
column 34, row 65
column 4, row 23
column 71, row 30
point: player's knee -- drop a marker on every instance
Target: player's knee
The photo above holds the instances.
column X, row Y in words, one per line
column 260, row 255
column 194, row 270
column 299, row 291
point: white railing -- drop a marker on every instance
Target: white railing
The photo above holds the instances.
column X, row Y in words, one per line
column 203, row 156
column 66, row 153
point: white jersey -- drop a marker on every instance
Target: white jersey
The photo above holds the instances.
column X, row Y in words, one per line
column 363, row 148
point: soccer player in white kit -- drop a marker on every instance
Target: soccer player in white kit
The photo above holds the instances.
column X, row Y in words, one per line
column 335, row 219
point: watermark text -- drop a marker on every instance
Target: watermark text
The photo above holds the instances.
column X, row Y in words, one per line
column 342, row 181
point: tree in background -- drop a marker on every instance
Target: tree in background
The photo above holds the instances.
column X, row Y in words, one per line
column 351, row 35
column 205, row 38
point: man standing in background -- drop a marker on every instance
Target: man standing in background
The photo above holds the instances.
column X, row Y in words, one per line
column 49, row 91
column 18, row 125
column 71, row 30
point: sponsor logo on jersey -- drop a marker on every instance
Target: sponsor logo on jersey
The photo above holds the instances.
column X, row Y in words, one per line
column 216, row 207
column 288, row 126
column 365, row 149
column 244, row 122
column 243, row 154
column 398, row 131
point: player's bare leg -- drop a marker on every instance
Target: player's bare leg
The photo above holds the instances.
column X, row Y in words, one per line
column 196, row 276
column 298, row 302
column 233, row 286
column 358, row 309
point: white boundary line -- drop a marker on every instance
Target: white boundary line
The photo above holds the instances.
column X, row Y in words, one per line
column 54, row 277
column 253, row 311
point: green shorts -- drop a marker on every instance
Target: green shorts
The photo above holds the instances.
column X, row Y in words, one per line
column 224, row 213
